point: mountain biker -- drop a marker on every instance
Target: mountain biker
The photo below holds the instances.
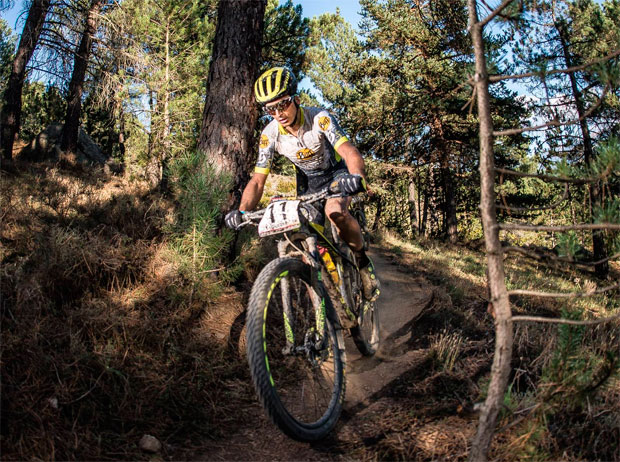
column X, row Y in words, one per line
column 321, row 153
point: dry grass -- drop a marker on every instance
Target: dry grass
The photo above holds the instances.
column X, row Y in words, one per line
column 99, row 343
column 564, row 401
column 104, row 340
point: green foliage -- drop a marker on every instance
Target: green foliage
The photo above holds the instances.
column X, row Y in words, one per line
column 568, row 244
column 159, row 69
column 397, row 87
column 41, row 105
column 285, row 37
column 100, row 122
column 578, row 368
column 200, row 192
column 7, row 48
column 606, row 164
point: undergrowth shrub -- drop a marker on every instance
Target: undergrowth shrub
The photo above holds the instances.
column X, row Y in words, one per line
column 572, row 382
column 199, row 246
column 100, row 341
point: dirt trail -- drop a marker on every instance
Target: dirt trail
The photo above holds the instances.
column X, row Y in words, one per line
column 403, row 299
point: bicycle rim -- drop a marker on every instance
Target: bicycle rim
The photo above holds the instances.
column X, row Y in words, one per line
column 366, row 333
column 294, row 352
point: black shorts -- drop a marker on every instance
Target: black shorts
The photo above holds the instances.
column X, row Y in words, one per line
column 312, row 184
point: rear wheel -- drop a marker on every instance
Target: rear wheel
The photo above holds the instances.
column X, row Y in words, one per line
column 295, row 353
column 366, row 333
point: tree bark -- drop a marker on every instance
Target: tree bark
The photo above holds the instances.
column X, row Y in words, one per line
column 496, row 278
column 375, row 225
column 230, row 113
column 11, row 113
column 449, row 201
column 598, row 242
column 69, row 138
column 447, row 183
column 414, row 207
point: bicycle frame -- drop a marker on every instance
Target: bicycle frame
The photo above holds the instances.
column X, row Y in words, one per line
column 311, row 234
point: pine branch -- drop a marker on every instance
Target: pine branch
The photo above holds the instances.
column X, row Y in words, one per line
column 495, row 12
column 534, row 209
column 499, row 78
column 576, row 181
column 555, row 122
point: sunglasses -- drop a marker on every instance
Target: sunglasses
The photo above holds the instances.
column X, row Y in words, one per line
column 280, row 106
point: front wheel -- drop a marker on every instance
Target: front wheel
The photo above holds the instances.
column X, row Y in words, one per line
column 295, row 353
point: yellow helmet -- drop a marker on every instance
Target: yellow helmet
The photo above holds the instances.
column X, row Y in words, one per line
column 273, row 84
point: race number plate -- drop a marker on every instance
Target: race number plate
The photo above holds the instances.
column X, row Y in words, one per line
column 279, row 217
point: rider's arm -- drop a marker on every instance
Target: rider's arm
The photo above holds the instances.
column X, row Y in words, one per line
column 253, row 192
column 353, row 158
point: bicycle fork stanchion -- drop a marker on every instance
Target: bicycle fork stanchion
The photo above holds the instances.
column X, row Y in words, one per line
column 318, row 299
column 287, row 312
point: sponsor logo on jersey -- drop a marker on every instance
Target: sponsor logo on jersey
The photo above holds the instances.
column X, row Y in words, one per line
column 324, row 122
column 264, row 141
column 305, row 154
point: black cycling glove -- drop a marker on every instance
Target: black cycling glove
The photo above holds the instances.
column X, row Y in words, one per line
column 233, row 219
column 351, row 184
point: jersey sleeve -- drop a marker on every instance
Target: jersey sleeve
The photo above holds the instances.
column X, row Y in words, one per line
column 266, row 149
column 328, row 125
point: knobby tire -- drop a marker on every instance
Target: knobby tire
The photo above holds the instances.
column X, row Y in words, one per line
column 366, row 333
column 302, row 392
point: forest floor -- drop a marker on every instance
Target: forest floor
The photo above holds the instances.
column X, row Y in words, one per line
column 392, row 409
column 106, row 339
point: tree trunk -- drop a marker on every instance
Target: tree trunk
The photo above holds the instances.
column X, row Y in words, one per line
column 598, row 242
column 375, row 225
column 414, row 207
column 424, row 228
column 500, row 369
column 69, row 138
column 230, row 113
column 163, row 102
column 447, row 183
column 449, row 202
column 12, row 110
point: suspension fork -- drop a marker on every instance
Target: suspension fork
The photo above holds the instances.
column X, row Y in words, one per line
column 317, row 299
column 287, row 312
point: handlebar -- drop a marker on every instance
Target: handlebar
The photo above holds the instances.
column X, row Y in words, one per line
column 332, row 190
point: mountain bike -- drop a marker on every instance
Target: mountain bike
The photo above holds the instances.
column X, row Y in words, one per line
column 299, row 306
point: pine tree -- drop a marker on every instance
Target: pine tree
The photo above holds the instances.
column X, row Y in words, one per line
column 69, row 137
column 230, row 113
column 11, row 109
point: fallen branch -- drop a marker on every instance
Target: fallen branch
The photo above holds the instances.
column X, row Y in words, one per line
column 565, row 321
column 576, row 181
column 557, row 229
column 538, row 255
column 588, row 293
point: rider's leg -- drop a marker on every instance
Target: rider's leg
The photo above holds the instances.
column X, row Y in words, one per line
column 337, row 210
column 349, row 231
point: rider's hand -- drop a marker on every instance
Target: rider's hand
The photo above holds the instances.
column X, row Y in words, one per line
column 233, row 219
column 351, row 184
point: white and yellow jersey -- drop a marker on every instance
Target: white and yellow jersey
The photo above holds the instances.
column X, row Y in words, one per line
column 313, row 150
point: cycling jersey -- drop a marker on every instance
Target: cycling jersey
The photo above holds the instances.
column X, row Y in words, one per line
column 313, row 150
